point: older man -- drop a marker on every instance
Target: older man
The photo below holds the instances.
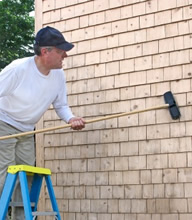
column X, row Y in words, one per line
column 28, row 87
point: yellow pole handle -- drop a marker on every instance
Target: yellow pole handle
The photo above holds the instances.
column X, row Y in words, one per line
column 86, row 122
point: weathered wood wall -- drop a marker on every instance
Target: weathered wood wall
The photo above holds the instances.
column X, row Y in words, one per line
column 127, row 54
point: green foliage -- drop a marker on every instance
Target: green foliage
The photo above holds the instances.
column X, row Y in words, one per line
column 16, row 30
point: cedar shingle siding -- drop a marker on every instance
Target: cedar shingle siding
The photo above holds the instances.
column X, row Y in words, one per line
column 127, row 54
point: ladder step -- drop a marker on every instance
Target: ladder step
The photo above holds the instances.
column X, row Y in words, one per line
column 44, row 213
column 20, row 204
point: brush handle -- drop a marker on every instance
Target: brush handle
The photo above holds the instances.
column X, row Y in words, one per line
column 86, row 122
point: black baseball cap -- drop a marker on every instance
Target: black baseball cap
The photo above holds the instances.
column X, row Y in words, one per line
column 50, row 36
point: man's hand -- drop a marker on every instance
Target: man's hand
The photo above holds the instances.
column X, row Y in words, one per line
column 77, row 123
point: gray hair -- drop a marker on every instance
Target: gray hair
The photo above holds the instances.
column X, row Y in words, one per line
column 37, row 49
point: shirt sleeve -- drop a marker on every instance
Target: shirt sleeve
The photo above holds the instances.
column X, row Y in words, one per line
column 8, row 80
column 60, row 103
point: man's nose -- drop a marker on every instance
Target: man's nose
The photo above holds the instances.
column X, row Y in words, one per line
column 64, row 54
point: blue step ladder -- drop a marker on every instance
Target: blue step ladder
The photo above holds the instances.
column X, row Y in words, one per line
column 30, row 199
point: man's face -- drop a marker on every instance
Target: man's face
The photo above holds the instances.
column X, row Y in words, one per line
column 55, row 57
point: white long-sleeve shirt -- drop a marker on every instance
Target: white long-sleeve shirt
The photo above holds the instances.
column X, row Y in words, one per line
column 25, row 94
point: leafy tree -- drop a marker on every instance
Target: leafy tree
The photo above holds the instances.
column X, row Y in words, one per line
column 16, row 30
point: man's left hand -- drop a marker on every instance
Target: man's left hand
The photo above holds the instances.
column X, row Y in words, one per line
column 77, row 123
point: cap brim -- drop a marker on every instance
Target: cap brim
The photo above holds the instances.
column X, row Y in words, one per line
column 65, row 46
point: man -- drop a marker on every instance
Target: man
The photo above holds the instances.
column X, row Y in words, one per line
column 28, row 87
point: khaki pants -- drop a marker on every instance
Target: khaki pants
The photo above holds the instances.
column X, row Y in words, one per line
column 15, row 151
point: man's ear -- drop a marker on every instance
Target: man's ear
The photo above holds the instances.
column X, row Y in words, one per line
column 44, row 51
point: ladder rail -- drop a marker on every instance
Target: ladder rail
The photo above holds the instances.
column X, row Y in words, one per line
column 6, row 194
column 35, row 190
column 52, row 195
column 25, row 195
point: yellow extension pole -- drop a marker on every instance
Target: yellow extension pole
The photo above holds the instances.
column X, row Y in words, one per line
column 87, row 122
